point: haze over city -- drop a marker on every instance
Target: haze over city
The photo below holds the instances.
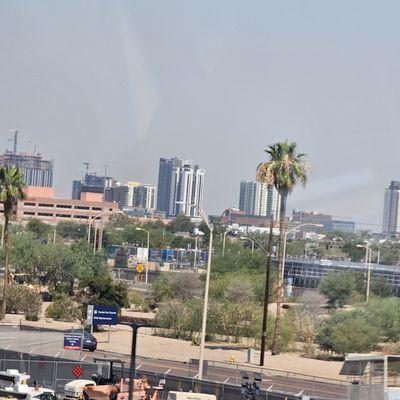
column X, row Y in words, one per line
column 125, row 84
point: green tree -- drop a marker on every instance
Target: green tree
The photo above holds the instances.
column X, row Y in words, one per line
column 347, row 332
column 88, row 264
column 337, row 287
column 11, row 185
column 284, row 169
column 181, row 223
column 71, row 230
column 39, row 229
column 353, row 252
column 103, row 291
column 385, row 315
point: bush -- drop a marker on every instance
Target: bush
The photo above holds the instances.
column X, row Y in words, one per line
column 138, row 300
column 22, row 299
column 384, row 314
column 347, row 332
column 63, row 309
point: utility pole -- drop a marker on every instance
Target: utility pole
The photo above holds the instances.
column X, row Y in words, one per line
column 266, row 292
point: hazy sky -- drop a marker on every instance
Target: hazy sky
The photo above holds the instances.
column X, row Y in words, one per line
column 127, row 82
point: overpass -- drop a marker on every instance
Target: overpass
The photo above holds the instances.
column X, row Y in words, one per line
column 309, row 272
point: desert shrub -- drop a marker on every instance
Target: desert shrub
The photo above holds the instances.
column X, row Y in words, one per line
column 138, row 300
column 64, row 309
column 22, row 299
column 384, row 313
column 348, row 332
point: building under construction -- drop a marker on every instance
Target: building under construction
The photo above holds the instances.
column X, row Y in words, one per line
column 36, row 171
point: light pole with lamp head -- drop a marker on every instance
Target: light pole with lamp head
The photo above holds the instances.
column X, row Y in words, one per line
column 148, row 250
column 204, row 217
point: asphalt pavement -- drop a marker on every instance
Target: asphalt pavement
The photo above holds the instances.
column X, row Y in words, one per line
column 51, row 344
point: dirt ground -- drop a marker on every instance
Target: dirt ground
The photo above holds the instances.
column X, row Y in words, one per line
column 181, row 350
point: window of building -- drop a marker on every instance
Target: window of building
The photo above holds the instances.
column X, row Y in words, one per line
column 64, row 206
column 29, row 213
column 81, row 207
column 81, row 216
column 43, row 214
column 63, row 216
column 45, row 205
column 96, row 208
column 29, row 204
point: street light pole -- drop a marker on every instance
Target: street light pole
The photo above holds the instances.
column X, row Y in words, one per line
column 204, row 217
column 205, row 308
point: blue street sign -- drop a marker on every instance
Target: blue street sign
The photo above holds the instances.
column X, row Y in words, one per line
column 105, row 315
column 72, row 341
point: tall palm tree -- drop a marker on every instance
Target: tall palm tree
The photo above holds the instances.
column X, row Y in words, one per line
column 11, row 185
column 284, row 169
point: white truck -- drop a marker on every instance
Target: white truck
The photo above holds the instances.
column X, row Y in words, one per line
column 190, row 396
column 15, row 385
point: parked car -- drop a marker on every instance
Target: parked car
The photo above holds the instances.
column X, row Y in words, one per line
column 89, row 341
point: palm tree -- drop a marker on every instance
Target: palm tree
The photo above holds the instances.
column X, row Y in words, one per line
column 11, row 185
column 283, row 169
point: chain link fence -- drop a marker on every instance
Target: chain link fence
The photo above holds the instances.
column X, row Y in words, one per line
column 56, row 373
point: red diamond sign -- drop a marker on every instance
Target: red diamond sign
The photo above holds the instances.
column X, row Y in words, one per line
column 78, row 371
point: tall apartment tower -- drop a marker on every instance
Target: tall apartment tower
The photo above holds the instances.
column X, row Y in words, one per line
column 259, row 199
column 180, row 183
column 36, row 171
column 144, row 196
column 391, row 211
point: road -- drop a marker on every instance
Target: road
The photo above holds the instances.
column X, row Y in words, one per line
column 51, row 344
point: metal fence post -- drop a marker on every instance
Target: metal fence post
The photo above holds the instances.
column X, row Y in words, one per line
column 313, row 386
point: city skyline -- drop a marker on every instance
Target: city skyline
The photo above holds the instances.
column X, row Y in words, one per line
column 214, row 88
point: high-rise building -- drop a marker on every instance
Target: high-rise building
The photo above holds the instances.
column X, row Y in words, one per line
column 391, row 211
column 259, row 199
column 144, row 196
column 180, row 183
column 36, row 171
column 91, row 183
column 132, row 195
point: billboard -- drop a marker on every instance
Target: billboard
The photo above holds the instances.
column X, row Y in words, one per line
column 102, row 315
